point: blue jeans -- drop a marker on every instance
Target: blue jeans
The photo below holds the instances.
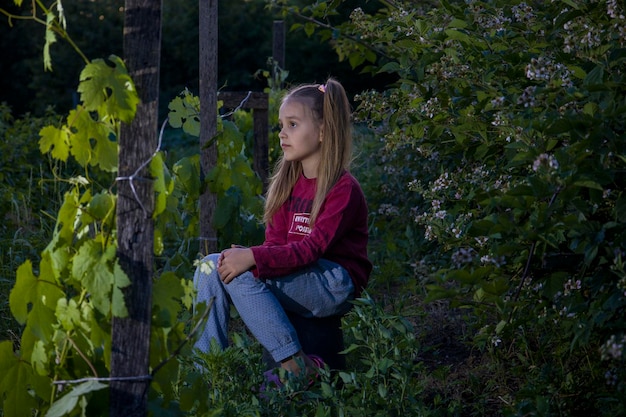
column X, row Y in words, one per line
column 319, row 290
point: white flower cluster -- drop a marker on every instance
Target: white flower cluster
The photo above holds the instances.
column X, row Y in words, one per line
column 580, row 35
column 527, row 98
column 571, row 286
column 611, row 377
column 449, row 67
column 463, row 256
column 498, row 101
column 431, row 107
column 497, row 22
column 523, row 13
column 441, row 183
column 488, row 259
column 388, row 210
column 357, row 15
column 545, row 161
column 613, row 348
column 613, row 10
column 543, row 69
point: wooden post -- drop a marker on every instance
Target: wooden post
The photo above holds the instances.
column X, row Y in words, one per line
column 278, row 43
column 278, row 51
column 208, row 119
column 261, row 131
column 130, row 350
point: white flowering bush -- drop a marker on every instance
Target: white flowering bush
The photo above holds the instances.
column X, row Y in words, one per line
column 505, row 139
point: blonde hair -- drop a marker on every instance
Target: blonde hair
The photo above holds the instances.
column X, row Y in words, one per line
column 329, row 106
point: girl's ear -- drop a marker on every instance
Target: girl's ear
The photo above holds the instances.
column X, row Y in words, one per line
column 321, row 136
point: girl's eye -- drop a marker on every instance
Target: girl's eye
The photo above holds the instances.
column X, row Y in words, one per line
column 279, row 127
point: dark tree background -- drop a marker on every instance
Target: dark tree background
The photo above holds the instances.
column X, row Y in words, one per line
column 245, row 44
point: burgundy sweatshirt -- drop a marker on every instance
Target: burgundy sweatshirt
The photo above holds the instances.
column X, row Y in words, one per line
column 340, row 232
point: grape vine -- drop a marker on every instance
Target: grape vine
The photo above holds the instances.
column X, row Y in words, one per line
column 66, row 301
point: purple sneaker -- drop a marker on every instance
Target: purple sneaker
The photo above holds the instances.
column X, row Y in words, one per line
column 272, row 378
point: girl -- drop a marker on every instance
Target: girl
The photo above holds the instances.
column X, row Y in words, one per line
column 314, row 258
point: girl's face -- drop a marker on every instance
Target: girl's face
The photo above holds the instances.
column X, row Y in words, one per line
column 300, row 136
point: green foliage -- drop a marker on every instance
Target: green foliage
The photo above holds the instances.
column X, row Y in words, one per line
column 507, row 123
column 502, row 162
column 27, row 194
column 96, row 29
column 387, row 349
column 52, row 17
column 108, row 93
column 237, row 187
column 385, row 379
column 66, row 299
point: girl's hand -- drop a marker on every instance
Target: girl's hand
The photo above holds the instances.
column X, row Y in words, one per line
column 234, row 262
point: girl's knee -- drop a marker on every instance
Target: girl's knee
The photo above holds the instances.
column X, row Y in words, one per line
column 244, row 285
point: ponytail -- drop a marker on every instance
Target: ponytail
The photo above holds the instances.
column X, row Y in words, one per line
column 336, row 149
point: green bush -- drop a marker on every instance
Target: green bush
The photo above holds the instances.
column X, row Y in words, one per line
column 505, row 138
column 384, row 378
column 28, row 198
column 65, row 298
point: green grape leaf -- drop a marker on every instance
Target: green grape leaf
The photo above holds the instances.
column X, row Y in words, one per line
column 39, row 358
column 242, row 168
column 56, row 141
column 93, row 267
column 49, row 40
column 100, row 337
column 89, row 141
column 23, row 292
column 230, row 140
column 101, row 205
column 64, row 230
column 33, row 299
column 227, row 208
column 166, row 294
column 68, row 314
column 15, row 384
column 162, row 382
column 68, row 402
column 190, row 292
column 41, row 386
column 7, row 357
column 80, row 124
column 185, row 113
column 158, row 246
column 105, row 152
column 121, row 281
column 187, row 170
column 40, row 322
column 158, row 171
column 108, row 89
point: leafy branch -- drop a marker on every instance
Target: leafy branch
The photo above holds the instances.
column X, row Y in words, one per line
column 379, row 50
column 55, row 26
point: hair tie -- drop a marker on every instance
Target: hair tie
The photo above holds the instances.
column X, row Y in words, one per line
column 322, row 88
